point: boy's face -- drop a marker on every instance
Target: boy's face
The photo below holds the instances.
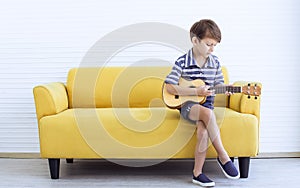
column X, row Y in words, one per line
column 205, row 46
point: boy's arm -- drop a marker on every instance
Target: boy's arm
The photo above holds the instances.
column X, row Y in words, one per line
column 179, row 90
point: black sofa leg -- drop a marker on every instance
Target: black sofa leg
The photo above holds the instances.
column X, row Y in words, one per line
column 54, row 168
column 69, row 160
column 244, row 163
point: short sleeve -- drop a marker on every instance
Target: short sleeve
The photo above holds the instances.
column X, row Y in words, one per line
column 176, row 72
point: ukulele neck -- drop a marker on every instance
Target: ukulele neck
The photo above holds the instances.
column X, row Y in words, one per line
column 223, row 89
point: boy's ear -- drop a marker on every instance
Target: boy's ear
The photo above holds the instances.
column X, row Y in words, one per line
column 195, row 40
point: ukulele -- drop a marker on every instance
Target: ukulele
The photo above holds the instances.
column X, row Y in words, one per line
column 176, row 101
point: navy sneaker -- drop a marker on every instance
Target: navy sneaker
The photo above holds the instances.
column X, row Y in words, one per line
column 203, row 181
column 229, row 169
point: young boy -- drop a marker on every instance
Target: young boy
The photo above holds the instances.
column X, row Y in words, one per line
column 199, row 63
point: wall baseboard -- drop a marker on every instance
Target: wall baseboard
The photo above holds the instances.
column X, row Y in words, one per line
column 21, row 155
column 260, row 155
column 278, row 155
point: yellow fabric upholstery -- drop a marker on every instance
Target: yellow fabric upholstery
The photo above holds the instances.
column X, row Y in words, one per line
column 50, row 99
column 64, row 136
column 115, row 86
column 241, row 103
column 221, row 100
column 117, row 112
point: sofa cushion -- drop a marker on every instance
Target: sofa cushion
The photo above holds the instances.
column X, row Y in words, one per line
column 116, row 87
column 121, row 87
column 139, row 133
column 118, row 132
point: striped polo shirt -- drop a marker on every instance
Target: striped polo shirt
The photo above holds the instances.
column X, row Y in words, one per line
column 186, row 67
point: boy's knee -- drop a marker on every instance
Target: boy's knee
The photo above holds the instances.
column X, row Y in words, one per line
column 208, row 114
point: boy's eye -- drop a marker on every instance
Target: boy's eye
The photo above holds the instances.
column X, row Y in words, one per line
column 210, row 45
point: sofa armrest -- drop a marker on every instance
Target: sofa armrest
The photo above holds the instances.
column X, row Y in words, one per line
column 242, row 103
column 50, row 99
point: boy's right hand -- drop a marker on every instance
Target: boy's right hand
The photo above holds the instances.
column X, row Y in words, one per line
column 204, row 91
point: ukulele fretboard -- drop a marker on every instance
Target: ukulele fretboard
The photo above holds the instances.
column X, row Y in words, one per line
column 223, row 89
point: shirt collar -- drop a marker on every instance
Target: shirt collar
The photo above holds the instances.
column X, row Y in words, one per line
column 190, row 61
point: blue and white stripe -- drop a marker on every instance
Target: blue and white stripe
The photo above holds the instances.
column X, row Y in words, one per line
column 187, row 68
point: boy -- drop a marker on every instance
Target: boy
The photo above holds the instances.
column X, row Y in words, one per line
column 199, row 63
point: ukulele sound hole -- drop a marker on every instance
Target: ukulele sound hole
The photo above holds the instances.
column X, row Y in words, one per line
column 176, row 96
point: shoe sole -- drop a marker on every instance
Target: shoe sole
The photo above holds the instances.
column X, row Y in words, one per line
column 227, row 176
column 211, row 184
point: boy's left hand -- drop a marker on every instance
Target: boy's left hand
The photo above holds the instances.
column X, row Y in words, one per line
column 228, row 93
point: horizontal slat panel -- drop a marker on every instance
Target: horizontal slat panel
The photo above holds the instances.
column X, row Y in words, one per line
column 41, row 41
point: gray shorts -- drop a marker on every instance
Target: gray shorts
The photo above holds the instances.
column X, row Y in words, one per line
column 186, row 108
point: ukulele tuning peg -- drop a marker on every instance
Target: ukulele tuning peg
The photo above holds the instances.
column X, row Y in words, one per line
column 255, row 97
column 249, row 97
column 255, row 86
column 249, row 84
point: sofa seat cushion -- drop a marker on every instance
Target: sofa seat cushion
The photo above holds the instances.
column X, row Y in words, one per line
column 137, row 133
column 116, row 132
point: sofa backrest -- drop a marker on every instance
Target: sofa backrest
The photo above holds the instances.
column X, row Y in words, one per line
column 117, row 86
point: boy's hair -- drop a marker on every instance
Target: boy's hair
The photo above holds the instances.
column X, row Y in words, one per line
column 206, row 28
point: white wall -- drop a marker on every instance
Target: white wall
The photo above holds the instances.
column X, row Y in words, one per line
column 41, row 40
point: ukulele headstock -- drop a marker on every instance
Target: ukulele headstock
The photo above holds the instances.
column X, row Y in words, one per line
column 251, row 90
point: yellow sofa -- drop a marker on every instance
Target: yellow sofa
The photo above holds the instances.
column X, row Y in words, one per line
column 117, row 113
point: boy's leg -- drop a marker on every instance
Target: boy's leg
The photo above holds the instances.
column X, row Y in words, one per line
column 201, row 147
column 206, row 115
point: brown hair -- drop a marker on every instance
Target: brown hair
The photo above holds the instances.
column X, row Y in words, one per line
column 206, row 28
